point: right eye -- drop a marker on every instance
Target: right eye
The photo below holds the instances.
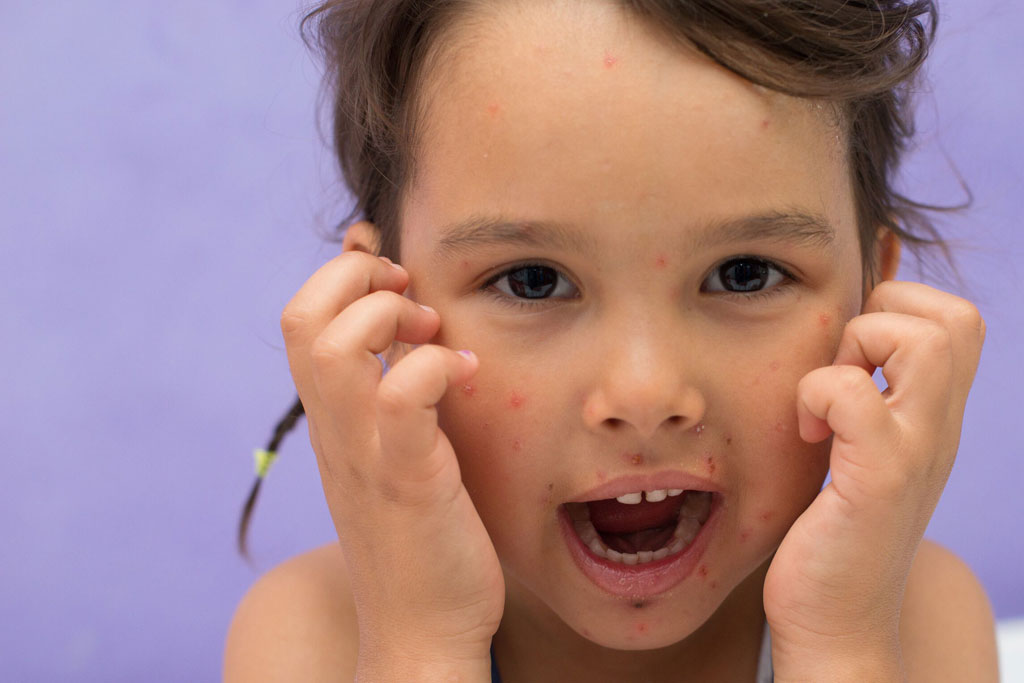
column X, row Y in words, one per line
column 532, row 282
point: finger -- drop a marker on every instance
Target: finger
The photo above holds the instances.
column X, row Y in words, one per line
column 915, row 355
column 406, row 412
column 844, row 401
column 345, row 368
column 959, row 316
column 326, row 293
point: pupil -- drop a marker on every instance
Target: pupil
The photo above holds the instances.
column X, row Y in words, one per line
column 533, row 282
column 744, row 276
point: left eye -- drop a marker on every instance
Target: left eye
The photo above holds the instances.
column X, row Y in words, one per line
column 743, row 275
column 532, row 282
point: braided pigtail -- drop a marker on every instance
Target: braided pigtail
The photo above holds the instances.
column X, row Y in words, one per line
column 264, row 459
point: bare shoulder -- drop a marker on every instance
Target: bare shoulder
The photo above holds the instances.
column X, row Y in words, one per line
column 296, row 623
column 946, row 629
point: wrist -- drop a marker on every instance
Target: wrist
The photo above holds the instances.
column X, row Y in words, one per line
column 412, row 659
column 838, row 660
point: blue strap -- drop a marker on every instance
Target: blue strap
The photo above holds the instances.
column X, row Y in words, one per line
column 495, row 674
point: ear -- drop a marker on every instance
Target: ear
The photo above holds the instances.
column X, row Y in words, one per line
column 362, row 236
column 887, row 254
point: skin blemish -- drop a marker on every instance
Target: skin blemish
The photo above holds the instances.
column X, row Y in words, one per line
column 517, row 445
column 699, row 429
column 634, row 458
column 516, row 400
column 660, row 262
column 469, row 390
column 639, row 604
column 601, row 475
column 744, row 535
column 779, row 427
column 703, row 571
column 728, row 441
column 710, row 462
column 765, row 123
column 641, row 627
column 766, row 515
column 773, row 366
column 493, row 109
column 714, row 585
column 610, row 60
column 824, row 319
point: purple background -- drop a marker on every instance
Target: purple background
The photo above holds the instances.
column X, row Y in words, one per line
column 161, row 187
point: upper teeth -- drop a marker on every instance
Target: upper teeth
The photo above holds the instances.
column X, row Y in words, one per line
column 652, row 496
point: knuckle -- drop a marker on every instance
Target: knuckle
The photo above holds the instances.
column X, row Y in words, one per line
column 293, row 322
column 936, row 339
column 392, row 399
column 851, row 379
column 325, row 350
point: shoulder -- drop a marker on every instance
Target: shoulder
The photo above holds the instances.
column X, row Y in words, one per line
column 297, row 622
column 947, row 630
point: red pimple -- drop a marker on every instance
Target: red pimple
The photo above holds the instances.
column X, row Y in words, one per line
column 779, row 427
column 515, row 400
column 634, row 458
column 728, row 441
column 766, row 122
column 641, row 627
column 711, row 464
column 493, row 108
column 610, row 60
column 766, row 515
column 773, row 366
column 660, row 262
column 517, row 445
column 714, row 585
column 468, row 389
column 703, row 571
column 744, row 534
column 824, row 319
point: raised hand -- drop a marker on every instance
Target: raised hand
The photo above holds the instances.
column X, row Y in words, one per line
column 835, row 587
column 427, row 584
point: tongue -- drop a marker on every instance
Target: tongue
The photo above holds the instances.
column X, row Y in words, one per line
column 612, row 517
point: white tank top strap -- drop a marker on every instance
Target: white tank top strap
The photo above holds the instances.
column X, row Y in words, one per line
column 764, row 660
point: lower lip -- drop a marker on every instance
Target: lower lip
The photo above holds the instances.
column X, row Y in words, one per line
column 637, row 580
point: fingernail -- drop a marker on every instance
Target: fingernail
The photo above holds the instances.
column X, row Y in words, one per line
column 467, row 353
column 385, row 259
column 427, row 308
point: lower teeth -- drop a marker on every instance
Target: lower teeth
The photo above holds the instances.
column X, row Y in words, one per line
column 686, row 530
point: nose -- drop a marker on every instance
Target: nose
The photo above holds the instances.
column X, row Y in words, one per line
column 643, row 380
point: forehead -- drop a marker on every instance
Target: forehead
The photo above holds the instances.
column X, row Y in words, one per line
column 579, row 111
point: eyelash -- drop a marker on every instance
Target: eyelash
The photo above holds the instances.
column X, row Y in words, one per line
column 755, row 296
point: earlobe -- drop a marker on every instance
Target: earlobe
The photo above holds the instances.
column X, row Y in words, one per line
column 361, row 236
column 887, row 254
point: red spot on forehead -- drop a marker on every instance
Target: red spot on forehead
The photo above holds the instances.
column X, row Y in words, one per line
column 515, row 400
column 610, row 60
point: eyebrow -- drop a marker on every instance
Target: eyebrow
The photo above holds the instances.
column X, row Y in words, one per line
column 791, row 227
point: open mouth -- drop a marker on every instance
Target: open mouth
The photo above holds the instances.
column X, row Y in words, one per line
column 642, row 527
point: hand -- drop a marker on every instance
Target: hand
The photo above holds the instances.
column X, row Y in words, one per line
column 425, row 577
column 835, row 587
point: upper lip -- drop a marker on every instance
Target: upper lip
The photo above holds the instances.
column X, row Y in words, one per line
column 668, row 479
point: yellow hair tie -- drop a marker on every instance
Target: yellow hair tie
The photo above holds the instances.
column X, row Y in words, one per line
column 264, row 459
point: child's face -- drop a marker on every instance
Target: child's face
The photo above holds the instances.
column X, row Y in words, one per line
column 621, row 351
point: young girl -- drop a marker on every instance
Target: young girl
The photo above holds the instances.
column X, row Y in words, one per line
column 647, row 252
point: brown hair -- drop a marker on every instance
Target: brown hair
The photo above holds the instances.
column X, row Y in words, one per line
column 863, row 58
